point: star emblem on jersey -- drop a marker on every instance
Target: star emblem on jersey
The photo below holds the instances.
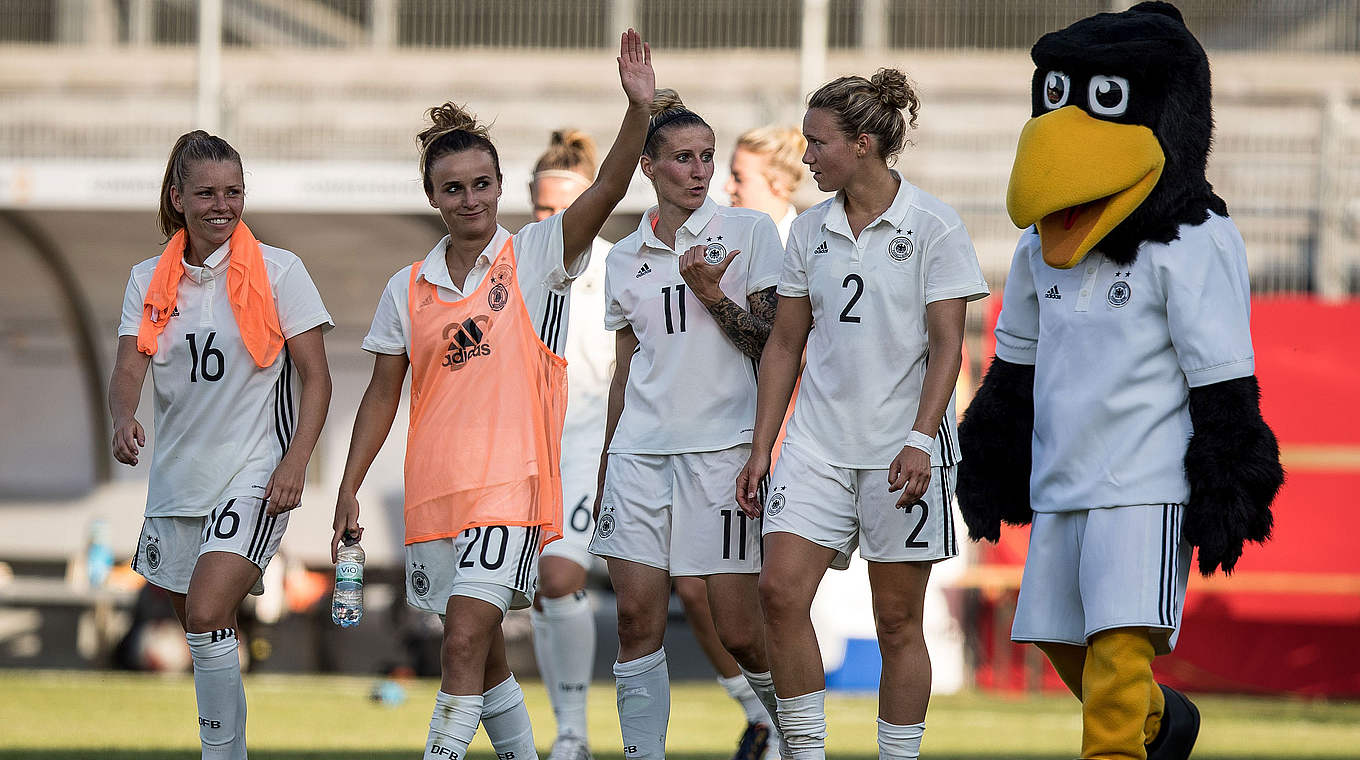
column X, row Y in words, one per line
column 776, row 504
column 1119, row 294
column 820, row 250
column 643, row 271
column 901, row 248
column 605, row 526
column 715, row 253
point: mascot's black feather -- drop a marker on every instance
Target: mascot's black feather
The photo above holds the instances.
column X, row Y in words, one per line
column 1232, row 460
column 1233, row 464
column 994, row 438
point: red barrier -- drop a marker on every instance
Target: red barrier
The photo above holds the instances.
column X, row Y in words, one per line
column 1289, row 619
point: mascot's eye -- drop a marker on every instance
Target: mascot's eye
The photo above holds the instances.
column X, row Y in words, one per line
column 1109, row 95
column 1056, row 88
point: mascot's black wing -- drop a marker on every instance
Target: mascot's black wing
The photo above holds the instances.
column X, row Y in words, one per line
column 995, row 440
column 1233, row 465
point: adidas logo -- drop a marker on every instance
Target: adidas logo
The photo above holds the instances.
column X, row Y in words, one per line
column 175, row 313
column 820, row 249
column 645, row 270
column 1053, row 293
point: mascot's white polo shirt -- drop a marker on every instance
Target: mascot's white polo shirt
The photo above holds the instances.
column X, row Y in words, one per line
column 1115, row 350
column 689, row 387
column 866, row 354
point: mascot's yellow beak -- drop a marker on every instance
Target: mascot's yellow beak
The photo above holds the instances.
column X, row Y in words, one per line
column 1078, row 177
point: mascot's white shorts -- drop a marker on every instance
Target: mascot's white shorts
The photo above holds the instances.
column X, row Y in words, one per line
column 1094, row 570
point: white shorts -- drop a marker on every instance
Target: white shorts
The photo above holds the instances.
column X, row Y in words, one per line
column 578, row 524
column 497, row 564
column 844, row 509
column 169, row 547
column 678, row 513
column 1093, row 570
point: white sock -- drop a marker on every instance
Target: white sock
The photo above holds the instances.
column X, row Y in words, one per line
column 506, row 721
column 564, row 643
column 644, row 697
column 239, row 745
column 452, row 726
column 738, row 689
column 803, row 721
column 899, row 742
column 762, row 685
column 217, row 683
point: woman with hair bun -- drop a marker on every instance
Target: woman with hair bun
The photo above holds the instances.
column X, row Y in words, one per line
column 885, row 270
column 563, row 620
column 478, row 321
column 765, row 172
column 224, row 322
column 690, row 296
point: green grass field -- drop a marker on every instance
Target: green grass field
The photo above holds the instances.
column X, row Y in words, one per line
column 51, row 714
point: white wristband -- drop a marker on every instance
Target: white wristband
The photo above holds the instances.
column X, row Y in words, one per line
column 918, row 440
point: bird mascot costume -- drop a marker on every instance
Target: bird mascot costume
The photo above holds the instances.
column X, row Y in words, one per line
column 1121, row 416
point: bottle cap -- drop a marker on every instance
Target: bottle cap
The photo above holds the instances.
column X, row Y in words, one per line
column 350, row 538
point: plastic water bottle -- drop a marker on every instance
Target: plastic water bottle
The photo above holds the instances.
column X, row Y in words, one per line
column 99, row 554
column 347, row 602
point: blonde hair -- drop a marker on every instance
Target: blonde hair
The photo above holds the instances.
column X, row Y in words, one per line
column 783, row 148
column 569, row 150
column 190, row 148
column 872, row 106
column 668, row 111
column 452, row 129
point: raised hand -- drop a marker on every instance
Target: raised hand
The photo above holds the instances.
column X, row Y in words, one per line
column 635, row 69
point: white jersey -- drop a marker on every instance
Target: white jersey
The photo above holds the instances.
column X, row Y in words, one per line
column 543, row 282
column 785, row 224
column 221, row 423
column 590, row 365
column 1115, row 350
column 866, row 354
column 689, row 387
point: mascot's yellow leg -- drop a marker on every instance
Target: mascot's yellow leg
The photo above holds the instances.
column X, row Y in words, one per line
column 1069, row 660
column 1121, row 705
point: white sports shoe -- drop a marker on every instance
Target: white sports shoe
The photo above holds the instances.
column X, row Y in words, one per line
column 570, row 748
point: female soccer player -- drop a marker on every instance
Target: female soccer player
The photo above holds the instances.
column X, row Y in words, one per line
column 766, row 170
column 476, row 323
column 681, row 409
column 885, row 271
column 564, row 623
column 233, row 433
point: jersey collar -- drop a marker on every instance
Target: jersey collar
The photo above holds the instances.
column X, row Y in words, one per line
column 694, row 225
column 836, row 221
column 210, row 264
column 435, row 269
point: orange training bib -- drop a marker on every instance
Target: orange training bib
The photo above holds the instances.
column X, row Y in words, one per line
column 487, row 403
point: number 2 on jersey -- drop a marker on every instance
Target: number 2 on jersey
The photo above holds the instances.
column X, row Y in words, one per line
column 199, row 366
column 680, row 297
column 858, row 281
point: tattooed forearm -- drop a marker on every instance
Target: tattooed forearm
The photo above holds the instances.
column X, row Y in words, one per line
column 748, row 330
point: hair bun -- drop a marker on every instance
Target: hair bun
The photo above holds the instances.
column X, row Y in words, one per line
column 450, row 117
column 573, row 140
column 666, row 100
column 893, row 88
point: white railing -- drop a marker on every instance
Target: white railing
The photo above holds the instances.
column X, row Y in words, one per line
column 1272, row 25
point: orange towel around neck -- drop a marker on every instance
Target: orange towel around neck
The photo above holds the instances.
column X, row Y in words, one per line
column 252, row 300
